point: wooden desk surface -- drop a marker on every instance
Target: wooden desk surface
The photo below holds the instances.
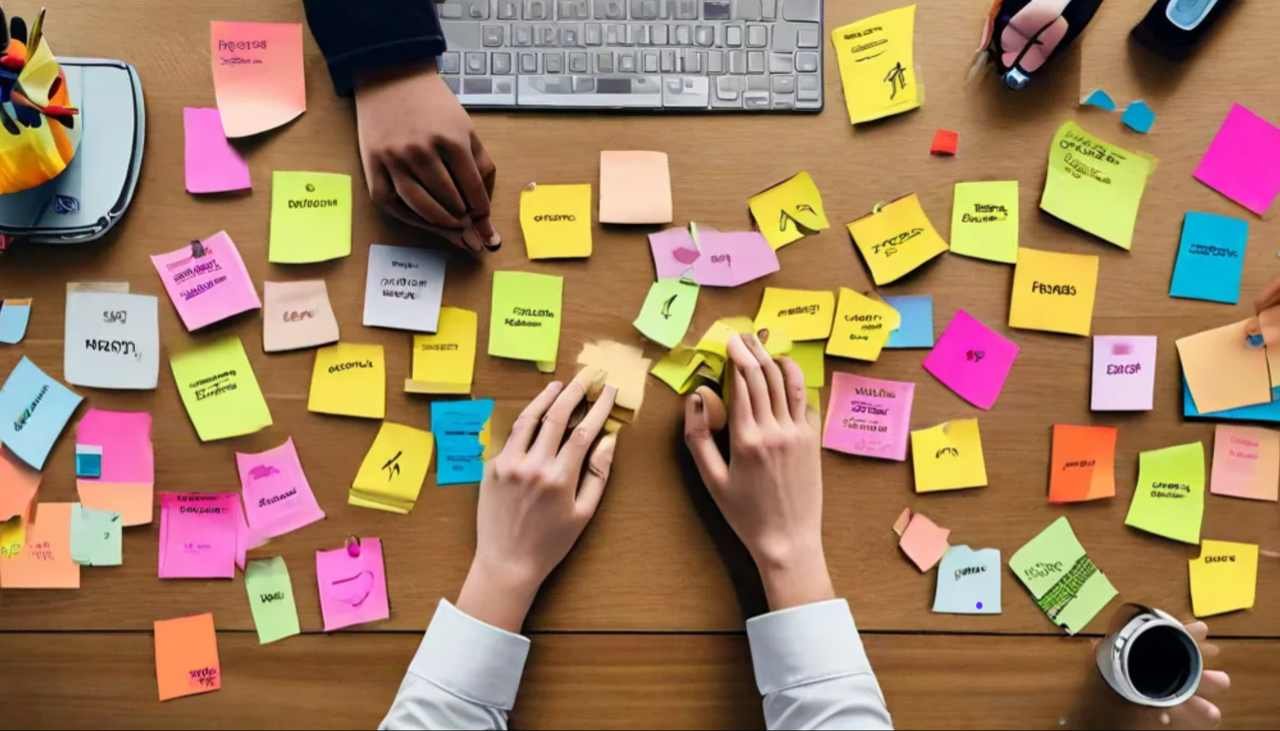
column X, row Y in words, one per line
column 657, row 558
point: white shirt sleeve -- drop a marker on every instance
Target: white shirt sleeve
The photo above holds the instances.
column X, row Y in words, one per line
column 812, row 671
column 464, row 676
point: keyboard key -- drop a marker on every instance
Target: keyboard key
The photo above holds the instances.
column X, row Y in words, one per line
column 808, row 37
column 604, row 62
column 806, row 61
column 757, row 36
column 733, row 36
column 693, row 62
column 508, row 9
column 492, row 35
column 644, row 36
column 757, row 83
column 572, row 10
column 476, row 63
column 769, row 9
column 780, row 63
column 704, row 35
column 453, row 83
column 807, row 88
column 578, row 63
column 537, row 10
column 528, row 63
column 686, row 91
column 737, row 62
column 660, row 34
column 584, row 85
column 553, row 84
column 522, row 36
column 644, row 9
column 716, row 10
column 553, row 63
column 755, row 62
column 610, row 10
column 728, row 88
column 472, row 85
column 627, row 62
column 501, row 63
column 810, row 10
column 668, row 61
column 450, row 11
column 450, row 62
column 503, row 86
column 783, row 84
column 715, row 62
column 594, row 34
column 684, row 35
column 649, row 62
column 686, row 9
column 476, row 9
column 613, row 85
column 756, row 100
column 748, row 10
column 545, row 35
column 571, row 36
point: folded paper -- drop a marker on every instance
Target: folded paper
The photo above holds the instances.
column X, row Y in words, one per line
column 922, row 540
column 219, row 389
column 206, row 281
column 710, row 257
column 896, row 239
column 349, row 379
column 609, row 363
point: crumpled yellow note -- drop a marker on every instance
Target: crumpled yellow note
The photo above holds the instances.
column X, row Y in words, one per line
column 1224, row 577
column 862, row 326
column 896, row 238
column 391, row 475
column 622, row 366
column 349, row 379
column 803, row 314
column 1054, row 292
column 877, row 63
column 789, row 211
column 556, row 221
column 1095, row 185
column 948, row 456
column 445, row 362
column 679, row 369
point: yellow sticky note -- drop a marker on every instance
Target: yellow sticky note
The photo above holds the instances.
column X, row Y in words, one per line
column 813, row 397
column 948, row 456
column 349, row 379
column 556, row 221
column 803, row 314
column 862, row 326
column 13, row 535
column 714, row 344
column 524, row 318
column 1053, row 292
column 1095, row 185
column 310, row 216
column 1224, row 577
column 811, row 358
column 391, row 475
column 984, row 220
column 678, row 369
column 788, row 211
column 219, row 389
column 877, row 64
column 896, row 239
column 445, row 362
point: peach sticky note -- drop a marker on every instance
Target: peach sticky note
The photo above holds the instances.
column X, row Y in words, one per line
column 635, row 187
column 1246, row 462
column 1083, row 466
column 921, row 539
column 186, row 656
column 45, row 561
column 1223, row 371
column 257, row 75
column 18, row 485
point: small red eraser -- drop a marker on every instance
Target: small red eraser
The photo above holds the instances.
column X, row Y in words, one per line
column 945, row 142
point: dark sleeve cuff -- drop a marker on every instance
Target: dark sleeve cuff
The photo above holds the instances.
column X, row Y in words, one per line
column 356, row 35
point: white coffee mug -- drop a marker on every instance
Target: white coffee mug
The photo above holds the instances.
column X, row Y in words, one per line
column 1152, row 660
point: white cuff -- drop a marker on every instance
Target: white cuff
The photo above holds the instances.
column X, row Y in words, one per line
column 471, row 659
column 805, row 644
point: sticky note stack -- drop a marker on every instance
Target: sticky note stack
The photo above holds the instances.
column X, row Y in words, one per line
column 607, row 363
column 445, row 362
column 392, row 472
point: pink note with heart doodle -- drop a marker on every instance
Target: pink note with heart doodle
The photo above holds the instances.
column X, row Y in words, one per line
column 712, row 258
column 972, row 359
column 353, row 584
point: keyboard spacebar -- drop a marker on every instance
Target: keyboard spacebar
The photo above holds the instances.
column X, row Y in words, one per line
column 629, row 91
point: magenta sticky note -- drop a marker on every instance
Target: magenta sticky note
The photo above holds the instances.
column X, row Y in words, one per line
column 212, row 164
column 1124, row 372
column 246, row 537
column 207, row 281
column 972, row 359
column 198, row 535
column 1243, row 161
column 870, row 417
column 125, row 438
column 353, row 584
column 277, row 497
column 714, row 258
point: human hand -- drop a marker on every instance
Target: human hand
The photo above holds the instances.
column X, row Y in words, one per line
column 535, row 501
column 770, row 491
column 1268, row 327
column 422, row 158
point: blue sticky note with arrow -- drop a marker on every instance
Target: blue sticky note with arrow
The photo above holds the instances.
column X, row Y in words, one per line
column 968, row 581
column 1210, row 258
column 916, row 330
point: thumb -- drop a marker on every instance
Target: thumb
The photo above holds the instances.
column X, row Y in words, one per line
column 697, row 437
column 599, row 464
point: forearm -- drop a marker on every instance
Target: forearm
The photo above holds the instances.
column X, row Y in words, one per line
column 358, row 37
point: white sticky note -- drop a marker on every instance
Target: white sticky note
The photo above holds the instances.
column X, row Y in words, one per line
column 112, row 340
column 403, row 288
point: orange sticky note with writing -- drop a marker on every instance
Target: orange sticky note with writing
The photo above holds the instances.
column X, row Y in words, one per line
column 1083, row 466
column 45, row 561
column 18, row 484
column 257, row 75
column 186, row 656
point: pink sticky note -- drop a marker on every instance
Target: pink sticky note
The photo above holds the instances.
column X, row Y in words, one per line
column 870, row 417
column 1246, row 462
column 1243, row 161
column 198, row 535
column 128, row 476
column 246, row 538
column 207, row 281
column 717, row 259
column 353, row 588
column 212, row 164
column 257, row 75
column 277, row 497
column 972, row 359
column 924, row 542
column 1124, row 372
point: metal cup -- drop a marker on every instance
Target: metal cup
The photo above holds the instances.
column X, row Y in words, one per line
column 1152, row 660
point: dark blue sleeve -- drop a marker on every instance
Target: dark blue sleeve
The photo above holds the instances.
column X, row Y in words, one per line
column 355, row 35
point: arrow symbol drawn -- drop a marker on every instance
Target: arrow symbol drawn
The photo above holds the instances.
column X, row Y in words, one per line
column 666, row 307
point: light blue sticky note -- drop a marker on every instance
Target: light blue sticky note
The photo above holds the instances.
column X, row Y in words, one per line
column 14, row 316
column 35, row 409
column 1099, row 98
column 1257, row 412
column 95, row 536
column 1139, row 116
column 968, row 582
column 916, row 330
column 1210, row 258
column 457, row 427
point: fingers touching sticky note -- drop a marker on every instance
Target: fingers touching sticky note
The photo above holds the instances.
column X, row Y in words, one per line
column 1223, row 370
column 803, row 314
column 556, row 221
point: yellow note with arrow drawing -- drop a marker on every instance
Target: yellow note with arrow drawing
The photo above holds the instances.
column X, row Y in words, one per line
column 789, row 211
column 878, row 66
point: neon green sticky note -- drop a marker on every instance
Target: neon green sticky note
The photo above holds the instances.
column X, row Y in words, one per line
column 310, row 216
column 556, row 221
column 1065, row 583
column 668, row 308
column 271, row 599
column 810, row 355
column 678, row 369
column 1095, row 185
column 524, row 319
column 1169, row 497
column 984, row 220
column 219, row 390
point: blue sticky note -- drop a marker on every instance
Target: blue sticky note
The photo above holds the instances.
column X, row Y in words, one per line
column 1257, row 412
column 14, row 316
column 1139, row 116
column 968, row 582
column 35, row 409
column 916, row 330
column 1210, row 258
column 1100, row 99
column 457, row 426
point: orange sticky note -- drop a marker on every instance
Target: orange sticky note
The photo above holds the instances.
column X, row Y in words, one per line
column 1222, row 370
column 45, row 562
column 186, row 656
column 1083, row 466
column 18, row 484
column 257, row 75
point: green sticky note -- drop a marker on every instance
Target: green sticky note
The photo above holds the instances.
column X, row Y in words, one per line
column 984, row 220
column 1169, row 497
column 310, row 216
column 219, row 389
column 1095, row 185
column 95, row 536
column 271, row 599
column 1064, row 582
column 810, row 356
column 668, row 308
column 524, row 319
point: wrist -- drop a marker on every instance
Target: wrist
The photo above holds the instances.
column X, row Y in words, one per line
column 497, row 595
column 795, row 576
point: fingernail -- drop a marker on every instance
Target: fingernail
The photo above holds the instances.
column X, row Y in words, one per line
column 494, row 243
column 763, row 335
column 697, row 402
